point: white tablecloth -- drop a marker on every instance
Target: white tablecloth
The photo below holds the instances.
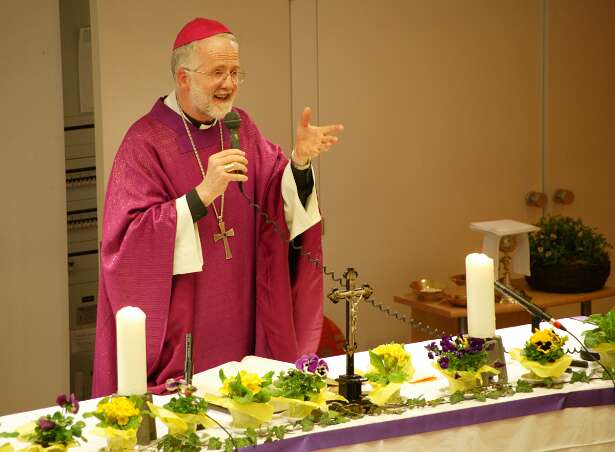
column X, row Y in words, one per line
column 578, row 417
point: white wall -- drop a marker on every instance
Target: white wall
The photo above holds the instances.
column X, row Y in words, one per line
column 33, row 268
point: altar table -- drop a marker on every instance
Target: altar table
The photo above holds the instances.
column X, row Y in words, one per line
column 579, row 416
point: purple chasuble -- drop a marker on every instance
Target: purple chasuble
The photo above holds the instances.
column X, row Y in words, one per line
column 263, row 301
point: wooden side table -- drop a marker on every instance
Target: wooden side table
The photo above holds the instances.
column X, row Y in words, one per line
column 453, row 319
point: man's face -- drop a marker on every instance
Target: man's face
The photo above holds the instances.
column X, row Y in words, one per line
column 211, row 93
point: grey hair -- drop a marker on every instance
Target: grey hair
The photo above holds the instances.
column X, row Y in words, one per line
column 184, row 56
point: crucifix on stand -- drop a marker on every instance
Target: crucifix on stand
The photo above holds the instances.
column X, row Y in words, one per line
column 350, row 383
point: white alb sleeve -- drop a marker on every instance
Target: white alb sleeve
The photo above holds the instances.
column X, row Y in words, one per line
column 298, row 218
column 188, row 254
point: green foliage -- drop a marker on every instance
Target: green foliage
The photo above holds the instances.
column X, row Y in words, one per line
column 9, row 434
column 456, row 397
column 187, row 405
column 564, row 240
column 524, row 386
column 420, row 402
column 579, row 377
column 322, row 419
column 295, row 384
column 605, row 331
column 187, row 442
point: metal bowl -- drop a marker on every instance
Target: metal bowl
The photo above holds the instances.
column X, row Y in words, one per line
column 427, row 290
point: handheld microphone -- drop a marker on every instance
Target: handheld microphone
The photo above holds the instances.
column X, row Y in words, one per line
column 528, row 305
column 232, row 120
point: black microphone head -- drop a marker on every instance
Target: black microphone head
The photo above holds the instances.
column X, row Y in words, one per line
column 232, row 120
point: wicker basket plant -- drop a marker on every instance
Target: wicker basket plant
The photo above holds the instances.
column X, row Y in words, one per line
column 568, row 256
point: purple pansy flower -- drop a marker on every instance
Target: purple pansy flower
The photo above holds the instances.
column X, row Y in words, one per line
column 430, row 355
column 69, row 403
column 61, row 400
column 73, row 405
column 307, row 363
column 311, row 363
column 476, row 344
column 322, row 369
column 46, row 424
column 443, row 362
column 171, row 385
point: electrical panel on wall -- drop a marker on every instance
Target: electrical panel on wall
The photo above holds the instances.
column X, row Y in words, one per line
column 81, row 208
column 81, row 223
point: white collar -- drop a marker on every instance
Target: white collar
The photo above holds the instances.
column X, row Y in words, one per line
column 171, row 102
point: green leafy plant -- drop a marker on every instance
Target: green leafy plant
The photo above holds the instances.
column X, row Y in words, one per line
column 605, row 331
column 54, row 429
column 564, row 240
column 294, row 384
column 187, row 404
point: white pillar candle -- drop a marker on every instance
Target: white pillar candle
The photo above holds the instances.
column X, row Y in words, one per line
column 480, row 295
column 131, row 357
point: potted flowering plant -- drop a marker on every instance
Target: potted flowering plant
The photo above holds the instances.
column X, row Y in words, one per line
column 120, row 418
column 567, row 256
column 246, row 396
column 543, row 355
column 184, row 413
column 303, row 389
column 53, row 432
column 462, row 360
column 601, row 339
column 390, row 366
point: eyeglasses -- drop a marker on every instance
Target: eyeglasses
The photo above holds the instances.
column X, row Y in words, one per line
column 219, row 76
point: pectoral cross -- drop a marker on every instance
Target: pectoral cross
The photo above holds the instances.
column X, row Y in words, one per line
column 224, row 233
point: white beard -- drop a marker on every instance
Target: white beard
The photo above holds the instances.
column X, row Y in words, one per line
column 205, row 104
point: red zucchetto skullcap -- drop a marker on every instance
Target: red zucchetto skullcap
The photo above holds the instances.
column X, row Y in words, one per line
column 199, row 28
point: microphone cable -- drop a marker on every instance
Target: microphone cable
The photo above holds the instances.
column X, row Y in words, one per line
column 308, row 254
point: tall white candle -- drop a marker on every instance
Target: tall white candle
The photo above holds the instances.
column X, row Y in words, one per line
column 480, row 295
column 131, row 358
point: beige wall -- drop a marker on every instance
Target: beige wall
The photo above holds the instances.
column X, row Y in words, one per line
column 132, row 48
column 33, row 269
column 443, row 102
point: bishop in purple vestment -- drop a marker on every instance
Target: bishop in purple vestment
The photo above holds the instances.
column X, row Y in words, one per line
column 164, row 249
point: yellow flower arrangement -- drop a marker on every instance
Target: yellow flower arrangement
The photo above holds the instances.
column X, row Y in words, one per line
column 543, row 354
column 246, row 396
column 118, row 410
column 120, row 418
column 252, row 382
column 390, row 366
column 394, row 355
